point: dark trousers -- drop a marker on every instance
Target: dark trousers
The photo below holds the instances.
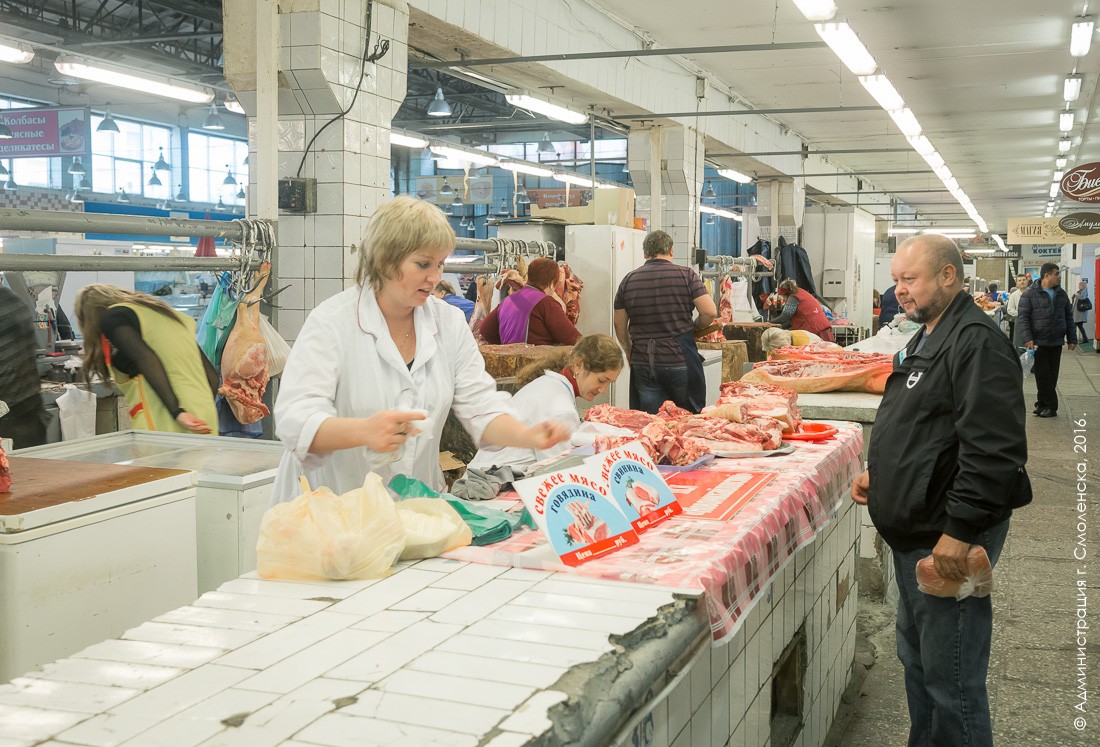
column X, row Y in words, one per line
column 1082, row 335
column 1048, row 361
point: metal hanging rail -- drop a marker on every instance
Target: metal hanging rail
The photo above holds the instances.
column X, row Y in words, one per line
column 58, row 221
column 94, row 263
column 499, row 254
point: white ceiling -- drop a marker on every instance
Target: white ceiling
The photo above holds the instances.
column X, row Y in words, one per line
column 983, row 77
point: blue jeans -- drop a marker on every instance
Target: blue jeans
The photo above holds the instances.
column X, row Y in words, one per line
column 944, row 646
column 650, row 387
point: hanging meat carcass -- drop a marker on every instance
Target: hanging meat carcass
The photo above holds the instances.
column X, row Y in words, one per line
column 245, row 359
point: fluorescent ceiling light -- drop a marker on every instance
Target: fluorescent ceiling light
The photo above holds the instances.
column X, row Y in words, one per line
column 524, row 168
column 736, row 176
column 1060, row 162
column 397, row 138
column 817, row 10
column 1071, row 90
column 921, row 145
column 883, row 91
column 560, row 113
column 573, row 179
column 720, row 212
column 80, row 68
column 1064, row 145
column 942, row 172
column 902, row 231
column 951, row 183
column 1058, row 176
column 606, row 185
column 478, row 157
column 232, row 105
column 983, row 227
column 15, row 53
column 980, row 251
column 1080, row 37
column 1054, row 189
column 847, row 46
column 934, row 159
column 906, row 122
column 1000, row 242
column 1065, row 121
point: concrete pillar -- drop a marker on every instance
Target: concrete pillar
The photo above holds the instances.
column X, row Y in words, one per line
column 675, row 153
column 321, row 49
column 781, row 207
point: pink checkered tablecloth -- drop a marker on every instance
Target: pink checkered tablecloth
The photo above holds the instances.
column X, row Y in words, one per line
column 730, row 561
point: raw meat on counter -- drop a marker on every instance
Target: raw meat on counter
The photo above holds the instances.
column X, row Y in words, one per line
column 5, row 472
column 826, row 373
column 245, row 358
column 569, row 291
column 725, row 311
column 743, row 401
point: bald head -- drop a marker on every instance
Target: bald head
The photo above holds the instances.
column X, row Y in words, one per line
column 937, row 253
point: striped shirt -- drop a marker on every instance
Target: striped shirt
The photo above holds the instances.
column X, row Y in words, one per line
column 659, row 300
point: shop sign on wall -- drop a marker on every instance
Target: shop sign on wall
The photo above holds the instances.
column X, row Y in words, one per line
column 1075, row 228
column 1082, row 183
column 1042, row 253
column 477, row 190
column 47, row 131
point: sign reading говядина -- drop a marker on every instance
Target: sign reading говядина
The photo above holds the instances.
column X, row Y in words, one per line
column 1075, row 228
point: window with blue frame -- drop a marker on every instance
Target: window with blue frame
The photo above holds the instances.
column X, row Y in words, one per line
column 214, row 161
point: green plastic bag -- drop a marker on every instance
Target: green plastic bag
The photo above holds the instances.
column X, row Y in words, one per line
column 489, row 525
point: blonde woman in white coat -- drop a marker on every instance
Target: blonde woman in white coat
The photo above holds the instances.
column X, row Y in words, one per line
column 375, row 369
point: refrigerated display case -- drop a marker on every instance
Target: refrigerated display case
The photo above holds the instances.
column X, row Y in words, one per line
column 88, row 551
column 233, row 489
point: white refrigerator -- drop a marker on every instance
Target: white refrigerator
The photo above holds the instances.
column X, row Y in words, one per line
column 88, row 551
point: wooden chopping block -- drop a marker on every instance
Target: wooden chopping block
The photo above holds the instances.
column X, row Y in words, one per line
column 43, row 483
column 750, row 332
column 505, row 360
column 735, row 354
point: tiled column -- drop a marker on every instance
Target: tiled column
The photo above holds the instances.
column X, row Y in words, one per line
column 321, row 52
column 681, row 173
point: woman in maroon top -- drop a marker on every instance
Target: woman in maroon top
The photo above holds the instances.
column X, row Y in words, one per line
column 802, row 311
column 531, row 315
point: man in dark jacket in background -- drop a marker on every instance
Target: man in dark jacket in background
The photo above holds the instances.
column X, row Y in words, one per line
column 1044, row 321
column 944, row 471
column 20, row 385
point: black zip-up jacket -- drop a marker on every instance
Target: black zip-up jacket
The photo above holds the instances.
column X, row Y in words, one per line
column 948, row 446
column 1045, row 322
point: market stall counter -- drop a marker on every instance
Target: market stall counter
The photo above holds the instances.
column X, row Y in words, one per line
column 234, row 478
column 733, row 625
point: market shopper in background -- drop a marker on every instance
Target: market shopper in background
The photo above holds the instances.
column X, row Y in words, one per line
column 20, row 384
column 1012, row 308
column 149, row 349
column 1046, row 322
column 802, row 311
column 444, row 291
column 1082, row 305
column 888, row 308
column 550, row 389
column 369, row 357
column 533, row 314
column 944, row 471
column 653, row 321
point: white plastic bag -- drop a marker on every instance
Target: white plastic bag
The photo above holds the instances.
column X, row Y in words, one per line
column 77, row 409
column 1027, row 360
column 432, row 527
column 320, row 535
column 277, row 348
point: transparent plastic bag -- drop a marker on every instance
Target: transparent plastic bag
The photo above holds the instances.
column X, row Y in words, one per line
column 1027, row 360
column 978, row 581
column 277, row 348
column 432, row 527
column 320, row 535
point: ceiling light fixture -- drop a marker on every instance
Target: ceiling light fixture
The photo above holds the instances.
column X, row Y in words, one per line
column 906, row 122
column 457, row 201
column 229, row 180
column 883, row 91
column 76, row 167
column 471, row 228
column 736, row 176
column 479, row 157
column 545, row 146
column 122, row 196
column 10, row 185
column 1058, row 176
column 213, row 120
column 439, row 106
column 1080, row 37
column 1071, row 90
column 503, row 208
column 240, row 193
column 154, row 180
column 5, row 131
column 560, row 113
column 397, row 138
column 573, row 179
column 161, row 164
column 233, row 105
column 15, row 52
column 521, row 195
column 1054, row 187
column 3, row 170
column 942, row 172
column 1064, row 145
column 1065, row 121
column 108, row 124
column 934, row 159
column 181, row 195
column 99, row 73
column 446, row 189
column 220, row 207
column 524, row 168
column 922, row 145
column 708, row 191
column 709, row 220
column 1060, row 162
column 708, row 209
column 463, row 223
column 817, row 10
column 902, row 231
column 846, row 45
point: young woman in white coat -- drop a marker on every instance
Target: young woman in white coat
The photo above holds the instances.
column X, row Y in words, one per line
column 551, row 386
column 376, row 368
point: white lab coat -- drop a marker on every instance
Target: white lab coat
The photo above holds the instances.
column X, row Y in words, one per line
column 344, row 364
column 549, row 397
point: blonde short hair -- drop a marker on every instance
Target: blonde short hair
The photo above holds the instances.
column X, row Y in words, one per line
column 397, row 229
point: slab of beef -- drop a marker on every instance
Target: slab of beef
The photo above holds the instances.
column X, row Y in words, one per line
column 670, row 410
column 607, row 443
column 745, row 402
column 834, row 375
column 5, row 472
column 633, row 420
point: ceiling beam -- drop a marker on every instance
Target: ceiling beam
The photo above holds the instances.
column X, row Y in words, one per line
column 150, row 39
column 860, row 174
column 808, row 152
column 888, row 192
column 724, row 49
column 743, row 112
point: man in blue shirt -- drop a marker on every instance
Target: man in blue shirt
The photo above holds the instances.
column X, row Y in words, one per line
column 1045, row 321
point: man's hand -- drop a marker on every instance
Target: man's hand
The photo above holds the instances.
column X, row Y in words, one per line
column 1030, row 345
column 860, row 486
column 1072, row 345
column 949, row 557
